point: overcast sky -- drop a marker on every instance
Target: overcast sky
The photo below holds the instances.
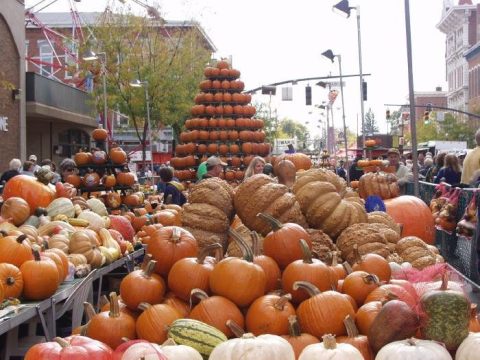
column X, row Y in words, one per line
column 271, row 41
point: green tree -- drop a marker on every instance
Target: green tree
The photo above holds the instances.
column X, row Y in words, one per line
column 170, row 66
column 370, row 123
column 292, row 128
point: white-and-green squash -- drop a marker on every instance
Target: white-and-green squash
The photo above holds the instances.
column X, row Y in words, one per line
column 196, row 334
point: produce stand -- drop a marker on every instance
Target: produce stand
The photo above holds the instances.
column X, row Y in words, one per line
column 459, row 251
column 45, row 312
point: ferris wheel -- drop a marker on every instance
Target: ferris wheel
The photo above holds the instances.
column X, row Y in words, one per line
column 64, row 47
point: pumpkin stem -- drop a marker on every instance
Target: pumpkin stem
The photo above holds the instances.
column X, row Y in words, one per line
column 235, row 328
column 255, row 244
column 334, row 258
column 356, row 254
column 329, row 341
column 89, row 310
column 148, row 270
column 207, row 249
column 175, row 234
column 294, row 326
column 125, row 339
column 199, row 294
column 62, row 342
column 311, row 289
column 444, row 281
column 114, row 305
column 371, row 278
column 347, row 267
column 282, row 301
column 307, row 254
column 36, row 255
column 169, row 342
column 40, row 212
column 412, row 341
column 11, row 281
column 146, row 260
column 20, row 238
column 3, row 233
column 352, row 329
column 274, row 223
column 246, row 250
column 143, row 306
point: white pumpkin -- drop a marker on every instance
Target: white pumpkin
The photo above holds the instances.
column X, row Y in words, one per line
column 97, row 206
column 180, row 352
column 413, row 349
column 144, row 351
column 469, row 348
column 330, row 350
column 249, row 347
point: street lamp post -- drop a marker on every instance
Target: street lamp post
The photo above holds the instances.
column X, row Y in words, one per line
column 91, row 56
column 144, row 84
column 343, row 7
column 329, row 55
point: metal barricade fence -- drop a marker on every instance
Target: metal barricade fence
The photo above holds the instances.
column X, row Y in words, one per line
column 459, row 251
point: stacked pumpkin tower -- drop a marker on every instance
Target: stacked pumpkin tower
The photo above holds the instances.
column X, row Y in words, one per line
column 222, row 124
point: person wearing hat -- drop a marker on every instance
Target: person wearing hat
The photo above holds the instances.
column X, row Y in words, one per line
column 403, row 173
column 214, row 167
column 354, row 172
column 33, row 159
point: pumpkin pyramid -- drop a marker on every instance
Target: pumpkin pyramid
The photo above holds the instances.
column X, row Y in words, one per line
column 222, row 124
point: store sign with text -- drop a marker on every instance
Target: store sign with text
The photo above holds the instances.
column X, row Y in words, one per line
column 3, row 123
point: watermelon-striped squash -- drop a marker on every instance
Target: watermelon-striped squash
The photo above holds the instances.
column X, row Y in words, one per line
column 61, row 206
column 200, row 336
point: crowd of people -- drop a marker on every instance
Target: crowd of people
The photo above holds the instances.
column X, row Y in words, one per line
column 457, row 169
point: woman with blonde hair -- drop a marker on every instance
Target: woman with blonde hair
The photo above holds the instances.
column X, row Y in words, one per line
column 451, row 172
column 255, row 167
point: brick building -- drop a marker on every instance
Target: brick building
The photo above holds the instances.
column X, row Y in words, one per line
column 12, row 78
column 435, row 98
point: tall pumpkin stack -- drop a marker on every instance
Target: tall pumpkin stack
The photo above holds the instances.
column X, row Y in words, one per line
column 209, row 211
column 222, row 124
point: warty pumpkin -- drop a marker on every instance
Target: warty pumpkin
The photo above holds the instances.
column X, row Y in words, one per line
column 383, row 218
column 142, row 286
column 321, row 194
column 366, row 237
column 215, row 311
column 261, row 194
column 378, row 183
column 415, row 251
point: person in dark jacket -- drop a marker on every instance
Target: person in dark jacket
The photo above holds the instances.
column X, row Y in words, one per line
column 355, row 173
column 173, row 190
column 14, row 168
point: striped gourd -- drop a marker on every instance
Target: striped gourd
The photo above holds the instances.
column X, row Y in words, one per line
column 198, row 335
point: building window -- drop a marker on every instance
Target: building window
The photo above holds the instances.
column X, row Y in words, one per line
column 69, row 61
column 72, row 141
column 46, row 58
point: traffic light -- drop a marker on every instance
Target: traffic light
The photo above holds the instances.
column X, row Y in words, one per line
column 426, row 117
column 387, row 114
column 308, row 95
column 364, row 91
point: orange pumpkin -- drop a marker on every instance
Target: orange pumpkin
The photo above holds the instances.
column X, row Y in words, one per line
column 16, row 210
column 125, row 178
column 415, row 216
column 40, row 278
column 296, row 338
column 12, row 280
column 99, row 134
column 269, row 315
column 15, row 250
column 74, row 179
column 118, row 156
column 33, row 191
